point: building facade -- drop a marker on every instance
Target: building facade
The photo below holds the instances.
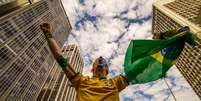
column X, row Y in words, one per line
column 170, row 14
column 26, row 62
column 58, row 88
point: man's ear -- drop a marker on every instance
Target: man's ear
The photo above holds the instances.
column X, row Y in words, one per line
column 107, row 71
column 92, row 70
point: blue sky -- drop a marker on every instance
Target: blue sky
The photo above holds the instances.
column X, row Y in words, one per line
column 105, row 27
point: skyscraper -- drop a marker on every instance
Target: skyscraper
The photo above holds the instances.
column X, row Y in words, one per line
column 26, row 62
column 170, row 14
column 58, row 88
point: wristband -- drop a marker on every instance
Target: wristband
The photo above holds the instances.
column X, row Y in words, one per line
column 62, row 62
column 48, row 35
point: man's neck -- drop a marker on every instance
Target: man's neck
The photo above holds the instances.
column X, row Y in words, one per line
column 100, row 77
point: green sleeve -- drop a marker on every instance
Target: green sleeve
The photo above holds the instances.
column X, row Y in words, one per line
column 62, row 62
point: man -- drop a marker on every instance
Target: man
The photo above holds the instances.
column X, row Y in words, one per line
column 96, row 88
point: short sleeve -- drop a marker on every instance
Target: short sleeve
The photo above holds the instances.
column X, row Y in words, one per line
column 120, row 82
column 75, row 81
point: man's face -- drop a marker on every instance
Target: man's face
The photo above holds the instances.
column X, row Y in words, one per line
column 100, row 71
column 100, row 67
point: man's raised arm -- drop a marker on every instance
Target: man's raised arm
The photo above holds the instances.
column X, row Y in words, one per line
column 56, row 51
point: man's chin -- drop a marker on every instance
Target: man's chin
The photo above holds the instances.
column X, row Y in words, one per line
column 99, row 75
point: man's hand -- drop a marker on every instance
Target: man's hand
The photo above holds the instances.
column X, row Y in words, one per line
column 45, row 27
column 157, row 36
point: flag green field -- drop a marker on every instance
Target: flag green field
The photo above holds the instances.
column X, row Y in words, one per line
column 149, row 60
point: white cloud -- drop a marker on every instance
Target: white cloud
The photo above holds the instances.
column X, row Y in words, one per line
column 109, row 37
column 110, row 8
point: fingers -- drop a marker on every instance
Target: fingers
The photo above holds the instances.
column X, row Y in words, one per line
column 45, row 24
column 45, row 27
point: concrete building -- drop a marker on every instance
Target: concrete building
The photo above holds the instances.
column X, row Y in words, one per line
column 170, row 14
column 57, row 88
column 26, row 63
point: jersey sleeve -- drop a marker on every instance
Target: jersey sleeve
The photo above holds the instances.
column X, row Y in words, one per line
column 75, row 81
column 120, row 82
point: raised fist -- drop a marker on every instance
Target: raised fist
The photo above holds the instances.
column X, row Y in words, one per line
column 45, row 27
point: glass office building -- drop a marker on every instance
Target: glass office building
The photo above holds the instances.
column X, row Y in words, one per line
column 26, row 63
column 170, row 14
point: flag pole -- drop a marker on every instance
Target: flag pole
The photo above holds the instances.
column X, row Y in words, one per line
column 170, row 89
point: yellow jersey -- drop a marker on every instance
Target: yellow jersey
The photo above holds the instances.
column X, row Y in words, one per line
column 95, row 89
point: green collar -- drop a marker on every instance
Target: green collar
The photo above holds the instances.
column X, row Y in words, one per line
column 100, row 78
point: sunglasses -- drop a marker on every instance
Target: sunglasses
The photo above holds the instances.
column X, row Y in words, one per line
column 102, row 63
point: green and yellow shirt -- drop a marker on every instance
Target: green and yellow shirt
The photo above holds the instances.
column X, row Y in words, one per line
column 95, row 89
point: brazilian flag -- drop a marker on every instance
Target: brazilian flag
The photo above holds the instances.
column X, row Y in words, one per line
column 149, row 60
